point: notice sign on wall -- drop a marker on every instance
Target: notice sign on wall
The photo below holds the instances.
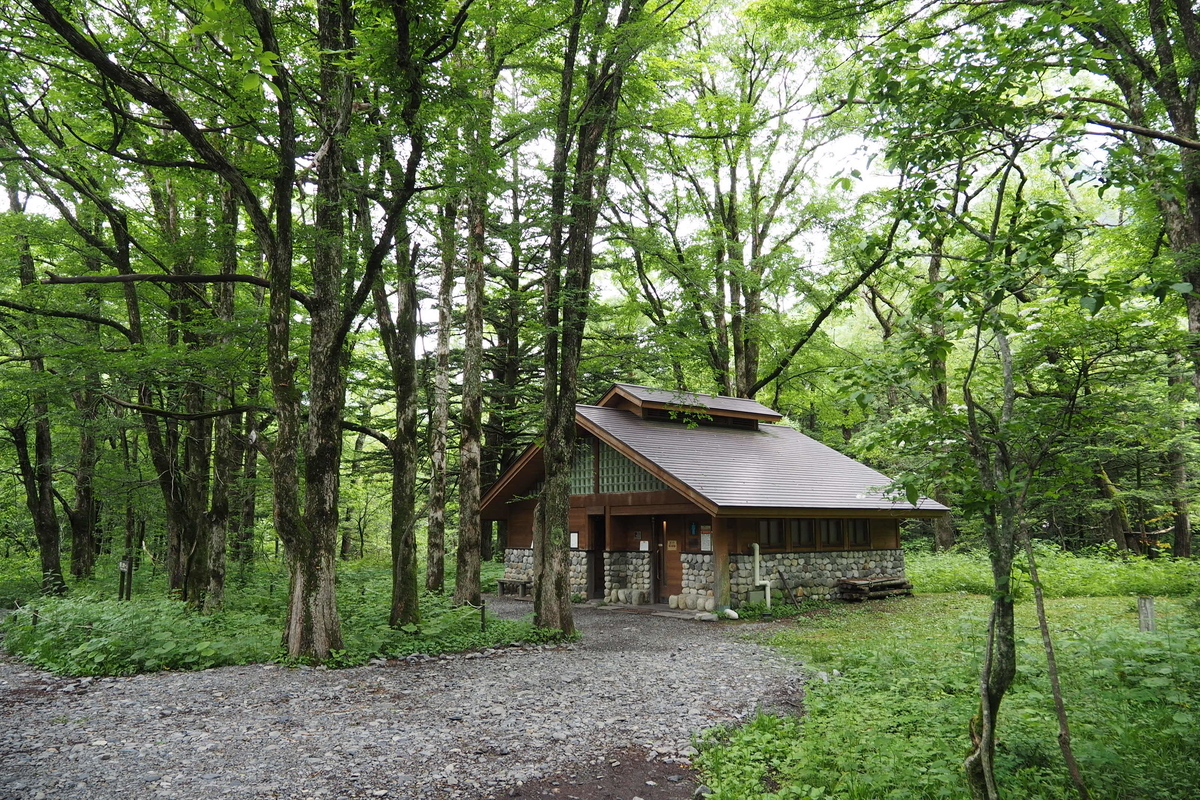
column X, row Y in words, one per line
column 706, row 542
column 645, row 545
column 574, row 539
column 672, row 544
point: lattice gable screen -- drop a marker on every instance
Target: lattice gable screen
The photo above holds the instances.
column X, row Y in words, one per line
column 619, row 474
column 581, row 467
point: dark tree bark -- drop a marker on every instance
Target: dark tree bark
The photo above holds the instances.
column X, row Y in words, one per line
column 466, row 580
column 37, row 472
column 435, row 552
column 356, row 472
column 1001, row 518
column 38, row 482
column 226, row 456
column 399, row 339
column 582, row 147
column 943, row 527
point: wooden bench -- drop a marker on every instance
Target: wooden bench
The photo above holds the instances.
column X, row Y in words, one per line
column 509, row 586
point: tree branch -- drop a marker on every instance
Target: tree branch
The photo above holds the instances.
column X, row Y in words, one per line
column 128, row 334
column 379, row 436
column 828, row 309
column 136, row 277
column 158, row 412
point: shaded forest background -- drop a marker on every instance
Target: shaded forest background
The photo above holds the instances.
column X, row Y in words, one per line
column 297, row 281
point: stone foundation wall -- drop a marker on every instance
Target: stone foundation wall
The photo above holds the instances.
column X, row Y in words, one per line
column 579, row 571
column 699, row 583
column 817, row 573
column 518, row 564
column 627, row 578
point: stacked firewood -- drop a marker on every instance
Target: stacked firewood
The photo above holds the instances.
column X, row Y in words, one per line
column 859, row 589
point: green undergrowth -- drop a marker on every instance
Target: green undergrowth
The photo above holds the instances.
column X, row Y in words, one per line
column 1063, row 574
column 892, row 721
column 20, row 577
column 87, row 633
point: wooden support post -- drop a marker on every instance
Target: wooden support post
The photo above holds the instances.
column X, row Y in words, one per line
column 1146, row 614
column 721, row 542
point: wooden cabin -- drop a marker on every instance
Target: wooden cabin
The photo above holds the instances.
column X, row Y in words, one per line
column 670, row 491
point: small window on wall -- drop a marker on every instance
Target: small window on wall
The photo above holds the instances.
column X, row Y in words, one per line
column 770, row 533
column 831, row 532
column 860, row 532
column 803, row 533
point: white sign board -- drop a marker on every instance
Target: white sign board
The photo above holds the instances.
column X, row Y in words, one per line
column 574, row 539
column 706, row 542
column 645, row 545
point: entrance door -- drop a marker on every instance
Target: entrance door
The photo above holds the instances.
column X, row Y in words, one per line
column 669, row 567
column 672, row 561
column 596, row 562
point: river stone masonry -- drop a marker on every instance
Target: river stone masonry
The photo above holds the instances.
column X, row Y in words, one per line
column 627, row 578
column 518, row 564
column 817, row 573
column 579, row 571
column 698, row 585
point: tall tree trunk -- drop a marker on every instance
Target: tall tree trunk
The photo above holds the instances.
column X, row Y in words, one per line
column 225, row 453
column 1000, row 521
column 466, row 579
column 1118, row 515
column 37, row 474
column 314, row 626
column 1181, row 524
column 435, row 551
column 399, row 339
column 943, row 527
column 568, row 285
column 356, row 473
column 247, row 533
column 85, row 508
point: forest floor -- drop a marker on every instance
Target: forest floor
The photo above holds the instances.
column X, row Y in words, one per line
column 609, row 717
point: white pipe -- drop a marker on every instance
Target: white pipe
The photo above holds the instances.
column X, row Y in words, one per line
column 766, row 582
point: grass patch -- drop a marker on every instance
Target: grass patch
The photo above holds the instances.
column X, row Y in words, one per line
column 85, row 633
column 894, row 725
column 1063, row 574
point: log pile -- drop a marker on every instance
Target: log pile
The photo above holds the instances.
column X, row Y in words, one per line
column 855, row 590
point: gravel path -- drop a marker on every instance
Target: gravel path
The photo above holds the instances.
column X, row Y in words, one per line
column 460, row 727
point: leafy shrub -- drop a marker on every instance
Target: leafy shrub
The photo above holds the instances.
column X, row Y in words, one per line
column 1063, row 574
column 20, row 579
column 84, row 635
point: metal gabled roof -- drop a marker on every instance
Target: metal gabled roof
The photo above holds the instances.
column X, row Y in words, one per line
column 774, row 467
column 691, row 401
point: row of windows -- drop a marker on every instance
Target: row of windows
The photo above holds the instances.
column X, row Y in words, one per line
column 804, row 534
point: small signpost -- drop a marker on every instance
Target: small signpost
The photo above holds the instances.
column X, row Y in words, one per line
column 125, row 582
column 1146, row 614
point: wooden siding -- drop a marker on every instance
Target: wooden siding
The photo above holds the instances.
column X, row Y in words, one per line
column 520, row 524
column 740, row 532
